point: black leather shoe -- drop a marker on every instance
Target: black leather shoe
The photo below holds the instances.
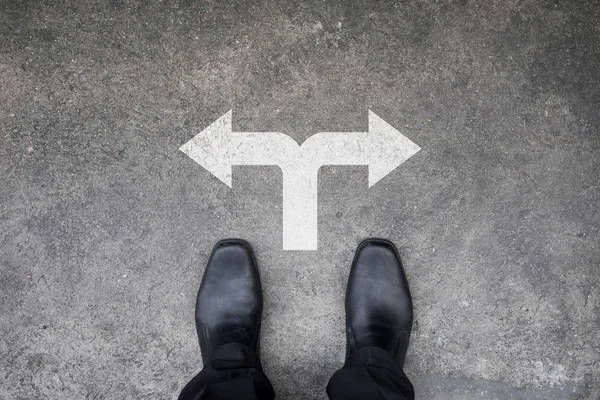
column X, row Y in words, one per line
column 229, row 303
column 379, row 308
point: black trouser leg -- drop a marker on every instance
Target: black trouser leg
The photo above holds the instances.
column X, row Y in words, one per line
column 370, row 373
column 234, row 372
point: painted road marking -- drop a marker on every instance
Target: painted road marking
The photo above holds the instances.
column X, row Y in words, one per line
column 217, row 148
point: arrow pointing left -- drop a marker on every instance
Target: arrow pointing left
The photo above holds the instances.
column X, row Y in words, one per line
column 217, row 148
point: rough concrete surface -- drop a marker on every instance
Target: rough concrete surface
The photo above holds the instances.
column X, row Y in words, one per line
column 105, row 226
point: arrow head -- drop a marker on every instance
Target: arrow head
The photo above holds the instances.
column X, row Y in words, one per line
column 388, row 148
column 211, row 148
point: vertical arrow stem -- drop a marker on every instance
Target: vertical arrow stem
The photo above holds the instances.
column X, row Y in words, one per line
column 300, row 208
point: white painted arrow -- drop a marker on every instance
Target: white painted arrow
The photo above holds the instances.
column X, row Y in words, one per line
column 217, row 148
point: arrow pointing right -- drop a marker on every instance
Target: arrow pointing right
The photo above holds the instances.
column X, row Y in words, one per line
column 383, row 148
column 387, row 148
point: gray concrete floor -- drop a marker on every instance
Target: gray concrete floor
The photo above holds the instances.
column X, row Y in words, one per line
column 105, row 226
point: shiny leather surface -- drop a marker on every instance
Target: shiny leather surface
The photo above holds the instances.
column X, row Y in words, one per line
column 229, row 303
column 379, row 308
